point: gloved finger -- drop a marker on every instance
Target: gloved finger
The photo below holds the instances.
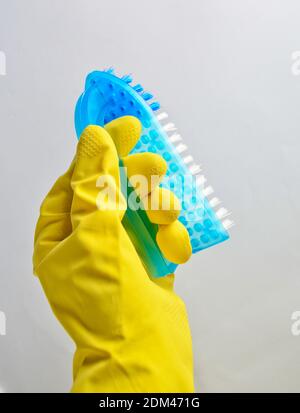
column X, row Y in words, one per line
column 162, row 206
column 54, row 223
column 125, row 132
column 167, row 282
column 174, row 242
column 145, row 171
column 96, row 181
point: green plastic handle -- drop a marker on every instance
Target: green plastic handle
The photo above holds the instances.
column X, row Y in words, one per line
column 143, row 235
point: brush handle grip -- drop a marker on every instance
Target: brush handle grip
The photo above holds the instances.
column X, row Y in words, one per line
column 143, row 236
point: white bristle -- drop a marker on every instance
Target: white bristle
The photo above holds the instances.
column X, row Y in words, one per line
column 214, row 202
column 208, row 191
column 222, row 212
column 181, row 148
column 200, row 180
column 194, row 169
column 162, row 116
column 227, row 223
column 188, row 159
column 175, row 138
column 169, row 127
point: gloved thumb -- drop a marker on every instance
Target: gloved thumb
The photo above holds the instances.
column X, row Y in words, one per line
column 95, row 181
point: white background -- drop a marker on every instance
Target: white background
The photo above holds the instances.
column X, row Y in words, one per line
column 223, row 71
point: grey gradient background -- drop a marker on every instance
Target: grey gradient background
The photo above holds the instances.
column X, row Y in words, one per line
column 223, row 71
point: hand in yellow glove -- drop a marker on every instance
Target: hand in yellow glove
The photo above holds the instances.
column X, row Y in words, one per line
column 131, row 332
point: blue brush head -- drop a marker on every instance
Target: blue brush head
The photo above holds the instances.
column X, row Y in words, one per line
column 107, row 97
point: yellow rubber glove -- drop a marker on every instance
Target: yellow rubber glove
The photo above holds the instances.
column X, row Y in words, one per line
column 131, row 332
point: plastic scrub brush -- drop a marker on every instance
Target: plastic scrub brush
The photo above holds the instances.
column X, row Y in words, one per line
column 106, row 97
